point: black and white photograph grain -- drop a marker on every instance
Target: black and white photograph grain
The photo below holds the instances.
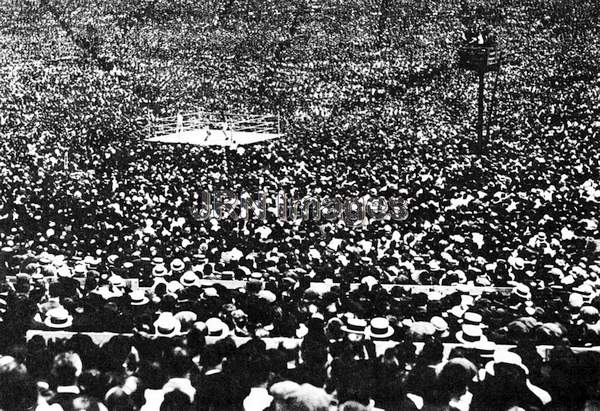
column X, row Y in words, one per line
column 299, row 205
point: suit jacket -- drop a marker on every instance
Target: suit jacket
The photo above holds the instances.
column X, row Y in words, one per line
column 219, row 391
column 64, row 399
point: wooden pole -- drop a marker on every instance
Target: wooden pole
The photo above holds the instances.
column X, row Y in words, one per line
column 491, row 105
column 480, row 143
column 226, row 158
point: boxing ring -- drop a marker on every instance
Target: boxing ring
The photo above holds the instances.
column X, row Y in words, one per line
column 215, row 129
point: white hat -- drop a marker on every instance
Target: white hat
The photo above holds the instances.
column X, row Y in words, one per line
column 369, row 281
column 159, row 270
column 380, row 329
column 116, row 280
column 301, row 331
column 517, row 263
column 210, row 292
column 457, row 311
column 186, row 318
column 80, row 270
column 354, row 326
column 267, row 295
column 58, row 318
column 522, row 291
column 189, row 279
column 441, row 326
column 64, row 271
column 486, row 349
column 93, row 262
column 177, row 265
column 576, row 300
column 89, row 260
column 217, row 328
column 174, row 287
column 167, row 325
column 586, row 291
column 505, row 357
column 470, row 334
column 472, row 318
column 138, row 297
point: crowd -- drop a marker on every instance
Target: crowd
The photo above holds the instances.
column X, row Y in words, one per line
column 336, row 367
column 97, row 227
column 327, row 372
column 277, row 300
column 339, row 364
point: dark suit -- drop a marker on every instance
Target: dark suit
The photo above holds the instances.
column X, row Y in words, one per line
column 219, row 391
column 65, row 400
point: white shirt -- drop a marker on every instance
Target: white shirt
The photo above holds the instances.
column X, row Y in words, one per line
column 257, row 400
column 70, row 389
column 462, row 403
column 182, row 384
column 154, row 399
column 42, row 405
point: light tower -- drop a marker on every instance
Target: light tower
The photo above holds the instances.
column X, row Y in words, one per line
column 481, row 54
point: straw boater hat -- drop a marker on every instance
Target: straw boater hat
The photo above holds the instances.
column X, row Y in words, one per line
column 355, row 326
column 177, row 265
column 380, row 329
column 80, row 270
column 112, row 259
column 517, row 263
column 576, row 300
column 44, row 260
column 210, row 292
column 586, row 291
column 472, row 318
column 93, row 263
column 159, row 271
column 522, row 291
column 186, row 319
column 174, row 287
column 117, row 281
column 217, row 328
column 505, row 357
column 267, row 296
column 138, row 297
column 64, row 272
column 457, row 311
column 58, row 318
column 189, row 279
column 166, row 325
column 369, row 281
column 470, row 334
column 484, row 348
column 441, row 326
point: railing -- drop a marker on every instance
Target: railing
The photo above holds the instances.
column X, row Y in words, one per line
column 250, row 123
column 101, row 338
column 320, row 287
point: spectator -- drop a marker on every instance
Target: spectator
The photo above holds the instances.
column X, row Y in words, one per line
column 66, row 370
column 259, row 398
column 17, row 390
column 154, row 377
